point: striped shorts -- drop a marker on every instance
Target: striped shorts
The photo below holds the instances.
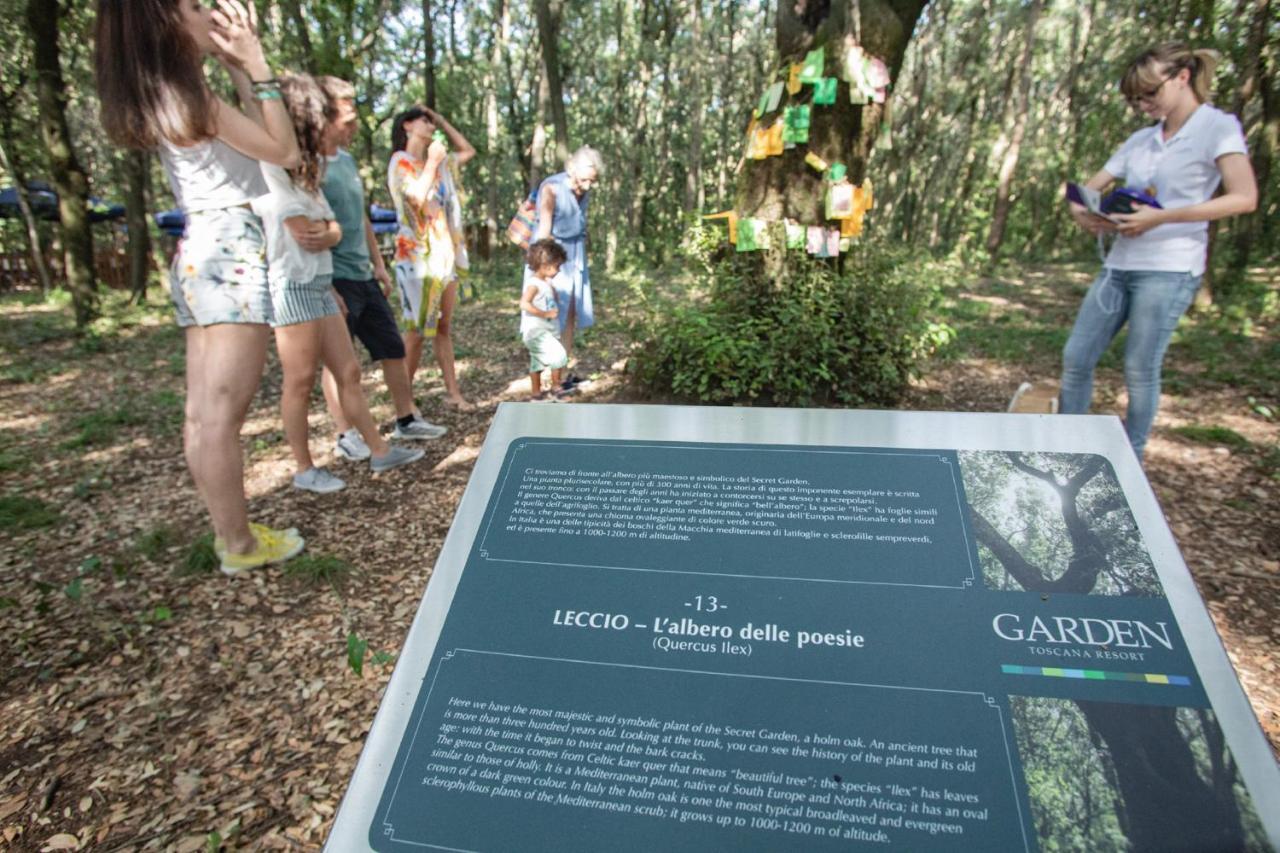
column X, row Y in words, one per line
column 294, row 302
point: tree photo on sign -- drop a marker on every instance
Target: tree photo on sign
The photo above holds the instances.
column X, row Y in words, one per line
column 1055, row 522
column 1087, row 795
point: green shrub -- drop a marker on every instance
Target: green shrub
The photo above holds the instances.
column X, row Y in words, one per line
column 783, row 328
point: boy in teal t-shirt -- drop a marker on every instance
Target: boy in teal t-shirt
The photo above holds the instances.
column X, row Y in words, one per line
column 361, row 280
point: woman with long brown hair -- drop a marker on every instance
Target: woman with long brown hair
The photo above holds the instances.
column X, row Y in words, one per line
column 1153, row 270
column 309, row 329
column 150, row 76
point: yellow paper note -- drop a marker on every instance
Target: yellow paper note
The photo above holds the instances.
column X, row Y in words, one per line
column 793, row 79
column 773, row 140
column 816, row 162
column 732, row 217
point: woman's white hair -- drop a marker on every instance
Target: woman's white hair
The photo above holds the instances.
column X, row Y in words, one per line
column 585, row 157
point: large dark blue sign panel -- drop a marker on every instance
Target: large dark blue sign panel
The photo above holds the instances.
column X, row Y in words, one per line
column 714, row 642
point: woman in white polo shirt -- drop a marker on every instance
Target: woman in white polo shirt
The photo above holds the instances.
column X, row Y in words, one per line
column 1151, row 274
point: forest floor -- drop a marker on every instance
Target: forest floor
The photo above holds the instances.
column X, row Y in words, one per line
column 148, row 702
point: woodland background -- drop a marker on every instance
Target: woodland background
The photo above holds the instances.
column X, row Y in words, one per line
column 148, row 703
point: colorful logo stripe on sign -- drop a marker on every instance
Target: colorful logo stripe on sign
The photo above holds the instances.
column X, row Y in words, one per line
column 1096, row 674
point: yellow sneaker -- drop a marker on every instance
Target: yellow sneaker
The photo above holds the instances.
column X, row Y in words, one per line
column 274, row 546
column 220, row 545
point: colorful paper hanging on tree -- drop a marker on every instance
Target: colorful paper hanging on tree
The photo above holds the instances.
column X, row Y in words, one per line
column 836, row 172
column 811, row 70
column 773, row 143
column 822, row 242
column 867, row 75
column 815, row 162
column 796, row 123
column 840, row 200
column 795, row 234
column 769, row 99
column 824, row 91
column 753, row 235
column 793, row 79
column 731, row 216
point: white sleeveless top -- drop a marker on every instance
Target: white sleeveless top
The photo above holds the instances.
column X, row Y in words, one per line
column 211, row 175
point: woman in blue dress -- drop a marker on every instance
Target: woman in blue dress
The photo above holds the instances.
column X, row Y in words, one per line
column 562, row 215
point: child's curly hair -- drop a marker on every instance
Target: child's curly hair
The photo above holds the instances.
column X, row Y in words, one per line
column 544, row 252
column 311, row 113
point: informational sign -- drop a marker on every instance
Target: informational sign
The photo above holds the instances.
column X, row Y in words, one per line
column 695, row 629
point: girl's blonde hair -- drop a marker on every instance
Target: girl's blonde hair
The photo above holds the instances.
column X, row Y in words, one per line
column 1150, row 69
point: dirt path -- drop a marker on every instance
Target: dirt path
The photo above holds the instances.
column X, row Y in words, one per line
column 148, row 702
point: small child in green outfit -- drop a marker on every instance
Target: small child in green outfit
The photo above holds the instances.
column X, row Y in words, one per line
column 539, row 326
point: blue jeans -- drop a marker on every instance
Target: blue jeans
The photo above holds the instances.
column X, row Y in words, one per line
column 1152, row 302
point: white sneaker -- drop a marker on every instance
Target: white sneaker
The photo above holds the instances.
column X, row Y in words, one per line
column 419, row 430
column 318, row 480
column 351, row 446
column 395, row 457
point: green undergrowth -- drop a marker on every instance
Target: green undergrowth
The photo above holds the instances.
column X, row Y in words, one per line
column 782, row 328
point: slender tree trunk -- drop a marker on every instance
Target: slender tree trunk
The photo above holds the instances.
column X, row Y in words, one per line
column 301, row 34
column 538, row 147
column 727, row 140
column 640, row 131
column 1009, row 164
column 429, row 58
column 548, row 36
column 136, row 166
column 1254, row 82
column 34, row 243
column 693, row 168
column 69, row 179
column 501, row 27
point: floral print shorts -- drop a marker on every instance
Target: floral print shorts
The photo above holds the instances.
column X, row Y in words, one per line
column 219, row 273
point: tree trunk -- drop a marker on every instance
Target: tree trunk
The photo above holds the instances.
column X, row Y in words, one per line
column 136, row 166
column 1009, row 164
column 69, row 179
column 34, row 244
column 302, row 34
column 538, row 147
column 785, row 187
column 501, row 29
column 1164, row 797
column 693, row 168
column 1254, row 81
column 548, row 36
column 727, row 81
column 429, row 59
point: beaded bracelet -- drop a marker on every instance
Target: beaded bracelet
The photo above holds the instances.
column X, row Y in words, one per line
column 267, row 95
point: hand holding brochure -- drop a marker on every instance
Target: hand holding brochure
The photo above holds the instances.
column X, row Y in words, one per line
column 1122, row 200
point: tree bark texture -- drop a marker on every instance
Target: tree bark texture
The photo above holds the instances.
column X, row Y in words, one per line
column 34, row 243
column 69, row 179
column 548, row 37
column 136, row 166
column 785, row 187
column 429, row 58
column 1022, row 111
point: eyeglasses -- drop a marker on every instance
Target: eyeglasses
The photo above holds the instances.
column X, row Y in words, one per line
column 1150, row 94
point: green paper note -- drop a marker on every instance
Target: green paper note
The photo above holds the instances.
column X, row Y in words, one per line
column 837, row 172
column 824, row 91
column 762, row 107
column 795, row 135
column 796, row 118
column 749, row 235
column 795, row 235
column 773, row 96
column 811, row 71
